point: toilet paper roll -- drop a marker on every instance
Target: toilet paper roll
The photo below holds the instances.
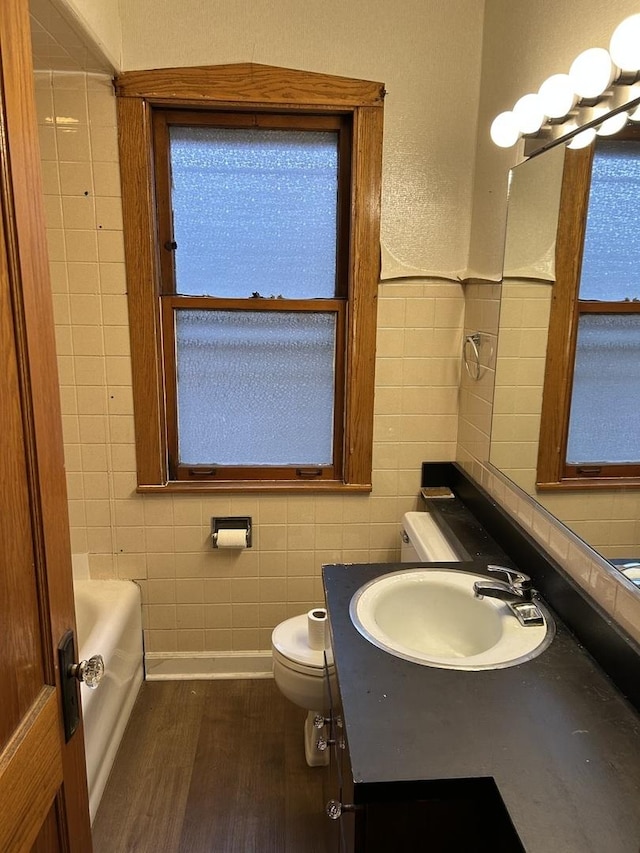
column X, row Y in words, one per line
column 317, row 628
column 231, row 538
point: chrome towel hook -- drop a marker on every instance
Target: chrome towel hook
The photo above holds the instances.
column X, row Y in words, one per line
column 471, row 355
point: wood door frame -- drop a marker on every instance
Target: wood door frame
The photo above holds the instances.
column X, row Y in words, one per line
column 21, row 198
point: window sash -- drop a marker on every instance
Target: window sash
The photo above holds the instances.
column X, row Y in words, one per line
column 183, row 472
column 553, row 471
column 163, row 119
column 604, row 412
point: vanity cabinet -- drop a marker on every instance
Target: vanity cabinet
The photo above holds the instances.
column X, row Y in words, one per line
column 338, row 787
column 448, row 816
column 540, row 756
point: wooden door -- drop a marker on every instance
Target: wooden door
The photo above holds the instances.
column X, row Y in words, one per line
column 43, row 791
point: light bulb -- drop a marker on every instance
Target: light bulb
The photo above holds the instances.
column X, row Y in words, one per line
column 504, row 130
column 582, row 139
column 591, row 72
column 557, row 97
column 528, row 113
column 612, row 125
column 625, row 44
column 635, row 115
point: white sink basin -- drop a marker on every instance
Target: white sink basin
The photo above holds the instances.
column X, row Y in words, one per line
column 432, row 617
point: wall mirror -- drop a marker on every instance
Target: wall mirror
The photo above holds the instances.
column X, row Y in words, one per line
column 608, row 519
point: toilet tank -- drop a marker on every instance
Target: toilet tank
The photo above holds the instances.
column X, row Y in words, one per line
column 423, row 541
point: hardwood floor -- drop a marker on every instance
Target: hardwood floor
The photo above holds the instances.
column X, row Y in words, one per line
column 212, row 767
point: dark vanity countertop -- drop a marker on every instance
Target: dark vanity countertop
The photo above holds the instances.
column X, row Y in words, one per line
column 559, row 740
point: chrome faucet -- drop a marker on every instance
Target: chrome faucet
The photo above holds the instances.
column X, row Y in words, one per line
column 516, row 591
column 515, row 587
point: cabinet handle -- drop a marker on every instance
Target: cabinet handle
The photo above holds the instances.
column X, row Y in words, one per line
column 335, row 808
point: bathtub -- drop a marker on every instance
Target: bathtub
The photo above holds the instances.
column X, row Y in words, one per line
column 109, row 623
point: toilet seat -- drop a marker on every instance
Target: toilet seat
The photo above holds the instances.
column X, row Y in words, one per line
column 290, row 646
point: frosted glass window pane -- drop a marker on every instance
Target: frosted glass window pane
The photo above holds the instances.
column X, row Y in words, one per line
column 605, row 407
column 254, row 210
column 611, row 256
column 255, row 388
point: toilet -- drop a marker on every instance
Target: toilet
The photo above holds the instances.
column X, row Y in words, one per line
column 298, row 669
column 299, row 673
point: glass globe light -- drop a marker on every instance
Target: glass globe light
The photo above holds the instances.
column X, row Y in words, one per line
column 635, row 115
column 504, row 130
column 557, row 97
column 592, row 72
column 582, row 139
column 528, row 113
column 612, row 125
column 624, row 46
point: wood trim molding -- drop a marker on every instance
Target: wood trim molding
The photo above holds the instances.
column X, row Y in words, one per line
column 367, row 179
column 562, row 322
column 250, row 83
column 138, row 209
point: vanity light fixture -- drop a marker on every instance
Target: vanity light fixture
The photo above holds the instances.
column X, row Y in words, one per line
column 624, row 47
column 569, row 107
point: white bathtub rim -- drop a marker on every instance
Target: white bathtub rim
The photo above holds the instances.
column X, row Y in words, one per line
column 115, row 589
column 116, row 633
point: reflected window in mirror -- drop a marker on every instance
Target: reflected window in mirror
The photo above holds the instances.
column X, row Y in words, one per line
column 590, row 430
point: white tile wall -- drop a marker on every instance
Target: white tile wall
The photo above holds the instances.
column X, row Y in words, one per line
column 195, row 598
column 614, row 518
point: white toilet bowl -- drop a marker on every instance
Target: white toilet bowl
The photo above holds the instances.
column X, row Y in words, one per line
column 299, row 673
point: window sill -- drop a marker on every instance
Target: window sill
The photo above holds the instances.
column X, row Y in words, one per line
column 265, row 486
column 595, row 483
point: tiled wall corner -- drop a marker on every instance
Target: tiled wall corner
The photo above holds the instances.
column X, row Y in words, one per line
column 616, row 514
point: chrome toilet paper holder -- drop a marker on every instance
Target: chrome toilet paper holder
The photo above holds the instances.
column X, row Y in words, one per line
column 233, row 522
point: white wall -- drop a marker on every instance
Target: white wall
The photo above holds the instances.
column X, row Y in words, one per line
column 427, row 52
column 524, row 43
column 98, row 22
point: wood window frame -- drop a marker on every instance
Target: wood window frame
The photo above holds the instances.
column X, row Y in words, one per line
column 262, row 89
column 553, row 472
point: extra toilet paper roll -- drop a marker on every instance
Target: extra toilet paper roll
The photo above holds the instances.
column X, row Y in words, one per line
column 231, row 538
column 317, row 628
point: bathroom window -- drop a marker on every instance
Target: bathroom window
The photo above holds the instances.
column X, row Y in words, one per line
column 593, row 373
column 251, row 204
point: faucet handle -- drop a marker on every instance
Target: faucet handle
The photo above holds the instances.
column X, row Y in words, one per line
column 515, row 579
